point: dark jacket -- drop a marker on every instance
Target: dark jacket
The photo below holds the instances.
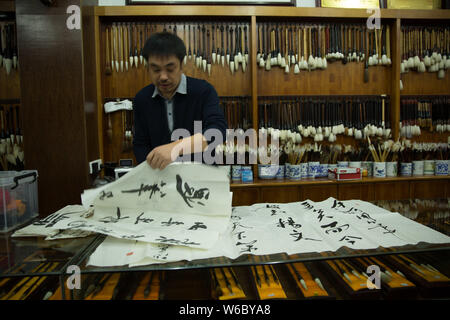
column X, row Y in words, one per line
column 151, row 128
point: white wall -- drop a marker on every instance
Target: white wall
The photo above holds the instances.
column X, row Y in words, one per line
column 111, row 2
column 305, row 3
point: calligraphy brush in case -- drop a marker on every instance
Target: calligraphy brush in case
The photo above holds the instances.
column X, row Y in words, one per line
column 306, row 281
column 348, row 285
column 394, row 285
column 425, row 272
column 266, row 282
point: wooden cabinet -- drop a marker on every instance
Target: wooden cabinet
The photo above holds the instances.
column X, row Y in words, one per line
column 367, row 189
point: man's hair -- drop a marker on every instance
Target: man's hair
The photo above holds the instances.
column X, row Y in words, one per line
column 164, row 44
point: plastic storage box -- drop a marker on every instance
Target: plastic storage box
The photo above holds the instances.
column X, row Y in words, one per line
column 18, row 198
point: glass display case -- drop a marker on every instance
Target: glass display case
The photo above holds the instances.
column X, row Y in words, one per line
column 413, row 271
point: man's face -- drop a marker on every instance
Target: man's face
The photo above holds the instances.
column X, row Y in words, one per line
column 165, row 73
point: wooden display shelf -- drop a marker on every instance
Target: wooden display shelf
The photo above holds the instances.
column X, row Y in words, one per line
column 347, row 79
column 240, row 11
column 284, row 182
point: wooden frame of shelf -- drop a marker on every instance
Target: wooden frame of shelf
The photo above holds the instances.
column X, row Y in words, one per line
column 367, row 189
column 7, row 6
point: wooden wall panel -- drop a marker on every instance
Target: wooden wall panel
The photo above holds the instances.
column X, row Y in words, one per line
column 356, row 191
column 51, row 72
column 392, row 190
column 10, row 84
column 278, row 195
column 318, row 192
column 429, row 189
column 246, row 196
column 425, row 83
column 337, row 79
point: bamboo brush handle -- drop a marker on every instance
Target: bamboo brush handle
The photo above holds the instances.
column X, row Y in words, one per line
column 299, row 44
column 304, row 44
column 120, row 43
column 310, row 44
column 107, row 47
column 388, row 41
column 125, row 43
column 114, row 40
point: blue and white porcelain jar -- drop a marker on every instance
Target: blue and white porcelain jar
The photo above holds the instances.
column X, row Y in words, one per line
column 267, row 171
column 441, row 167
column 406, row 169
column 417, row 169
column 391, row 169
column 323, row 170
column 280, row 172
column 295, row 172
column 304, row 170
column 342, row 164
column 313, row 168
column 428, row 167
column 287, row 170
column 379, row 170
column 236, row 172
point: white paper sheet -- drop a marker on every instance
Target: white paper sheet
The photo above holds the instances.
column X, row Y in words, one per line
column 186, row 204
column 46, row 227
column 292, row 228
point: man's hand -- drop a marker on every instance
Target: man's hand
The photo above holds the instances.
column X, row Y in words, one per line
column 162, row 156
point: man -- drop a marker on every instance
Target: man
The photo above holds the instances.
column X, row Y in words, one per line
column 172, row 101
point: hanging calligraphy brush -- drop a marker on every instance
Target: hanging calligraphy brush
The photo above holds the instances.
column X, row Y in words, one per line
column 279, row 50
column 311, row 61
column 204, row 49
column 198, row 59
column 263, row 44
column 194, row 47
column 213, row 50
column 270, row 47
column 296, row 49
column 228, row 36
column 120, row 42
column 7, row 56
column 126, row 47
column 245, row 51
column 189, row 42
column 324, row 47
column 238, row 52
column 344, row 40
column 286, row 60
column 141, row 45
column 208, row 50
column 317, row 58
column 115, row 46
column 222, row 49
column 14, row 45
column 353, row 55
column 133, row 59
column 229, row 60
